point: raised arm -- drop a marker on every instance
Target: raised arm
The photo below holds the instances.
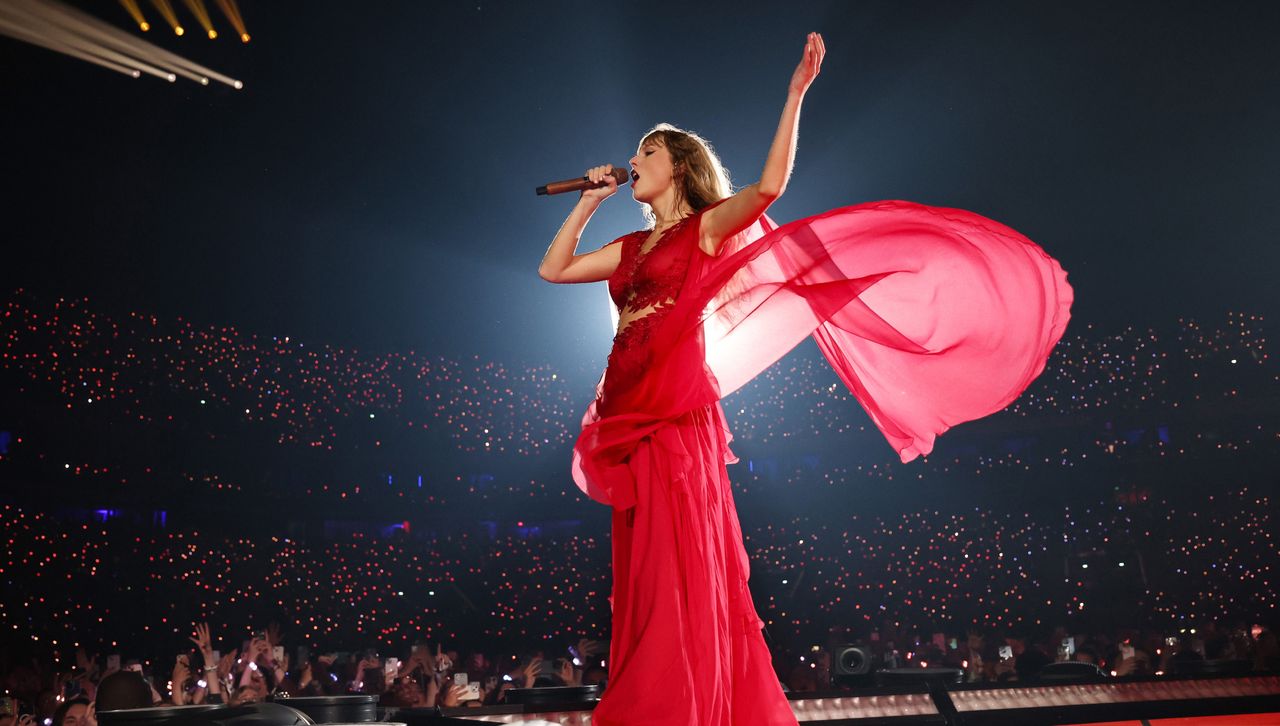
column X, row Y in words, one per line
column 745, row 207
column 562, row 263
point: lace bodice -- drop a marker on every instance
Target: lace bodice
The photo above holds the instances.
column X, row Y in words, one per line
column 645, row 285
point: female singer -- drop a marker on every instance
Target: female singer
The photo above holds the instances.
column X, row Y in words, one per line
column 930, row 316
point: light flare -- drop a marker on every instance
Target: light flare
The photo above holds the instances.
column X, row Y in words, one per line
column 201, row 14
column 135, row 12
column 232, row 11
column 166, row 10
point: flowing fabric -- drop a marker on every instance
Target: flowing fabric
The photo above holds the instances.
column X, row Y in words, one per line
column 930, row 316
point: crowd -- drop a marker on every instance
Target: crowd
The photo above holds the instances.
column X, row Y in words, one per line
column 1125, row 502
column 1166, row 563
column 164, row 371
column 261, row 666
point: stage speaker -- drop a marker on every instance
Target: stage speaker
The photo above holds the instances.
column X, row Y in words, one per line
column 850, row 660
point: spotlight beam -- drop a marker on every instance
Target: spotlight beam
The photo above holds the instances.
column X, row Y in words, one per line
column 166, row 10
column 135, row 12
column 198, row 9
column 18, row 34
column 95, row 31
column 232, row 11
column 62, row 38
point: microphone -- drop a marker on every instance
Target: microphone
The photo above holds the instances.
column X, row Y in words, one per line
column 576, row 185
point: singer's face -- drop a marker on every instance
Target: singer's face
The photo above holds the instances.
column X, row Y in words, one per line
column 651, row 172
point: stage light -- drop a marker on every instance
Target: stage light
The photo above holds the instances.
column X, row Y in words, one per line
column 166, row 11
column 67, row 30
column 135, row 12
column 232, row 12
column 201, row 14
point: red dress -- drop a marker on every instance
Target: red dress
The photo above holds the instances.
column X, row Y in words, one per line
column 930, row 316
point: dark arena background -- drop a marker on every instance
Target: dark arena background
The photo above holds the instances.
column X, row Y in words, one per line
column 275, row 355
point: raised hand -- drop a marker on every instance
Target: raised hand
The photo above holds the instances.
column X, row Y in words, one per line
column 442, row 662
column 453, row 696
column 203, row 642
column 273, row 634
column 810, row 64
column 181, row 672
column 224, row 665
column 567, row 674
column 530, row 672
column 598, row 174
column 259, row 646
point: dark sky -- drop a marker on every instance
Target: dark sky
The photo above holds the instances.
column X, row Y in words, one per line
column 372, row 185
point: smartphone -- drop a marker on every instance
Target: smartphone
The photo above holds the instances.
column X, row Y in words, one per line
column 1069, row 645
column 471, row 692
column 460, row 679
column 1006, row 652
column 113, row 662
column 277, row 653
column 391, row 667
column 1126, row 652
column 953, row 644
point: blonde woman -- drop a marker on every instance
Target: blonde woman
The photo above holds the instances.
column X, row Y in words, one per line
column 931, row 317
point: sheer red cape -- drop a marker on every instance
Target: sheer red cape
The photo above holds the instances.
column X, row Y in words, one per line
column 930, row 316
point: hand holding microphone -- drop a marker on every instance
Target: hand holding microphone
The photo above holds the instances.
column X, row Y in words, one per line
column 600, row 182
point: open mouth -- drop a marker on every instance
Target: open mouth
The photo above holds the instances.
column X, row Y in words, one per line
column 634, row 176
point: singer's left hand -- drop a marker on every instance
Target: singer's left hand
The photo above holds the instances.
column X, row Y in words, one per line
column 810, row 64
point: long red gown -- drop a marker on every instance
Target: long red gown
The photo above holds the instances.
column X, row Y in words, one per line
column 930, row 316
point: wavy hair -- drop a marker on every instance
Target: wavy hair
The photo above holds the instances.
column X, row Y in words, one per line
column 700, row 178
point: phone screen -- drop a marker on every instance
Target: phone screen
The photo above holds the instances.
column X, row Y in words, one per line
column 277, row 653
column 460, row 679
column 1006, row 652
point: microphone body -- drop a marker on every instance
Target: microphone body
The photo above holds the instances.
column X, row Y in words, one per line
column 577, row 185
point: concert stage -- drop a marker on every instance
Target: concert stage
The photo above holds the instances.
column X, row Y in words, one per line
column 1218, row 701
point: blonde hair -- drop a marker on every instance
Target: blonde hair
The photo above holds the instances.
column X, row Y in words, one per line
column 700, row 179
